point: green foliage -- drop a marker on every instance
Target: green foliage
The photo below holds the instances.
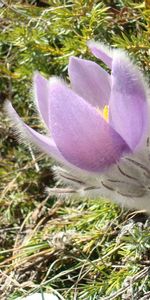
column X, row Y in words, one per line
column 81, row 249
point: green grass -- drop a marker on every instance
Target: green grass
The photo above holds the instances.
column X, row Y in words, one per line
column 83, row 248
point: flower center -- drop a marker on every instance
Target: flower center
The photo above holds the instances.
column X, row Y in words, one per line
column 104, row 113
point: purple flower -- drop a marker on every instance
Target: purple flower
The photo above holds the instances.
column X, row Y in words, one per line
column 94, row 123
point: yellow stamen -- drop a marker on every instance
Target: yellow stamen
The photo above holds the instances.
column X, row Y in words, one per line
column 106, row 113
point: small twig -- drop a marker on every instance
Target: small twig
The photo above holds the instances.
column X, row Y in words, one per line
column 34, row 160
column 9, row 229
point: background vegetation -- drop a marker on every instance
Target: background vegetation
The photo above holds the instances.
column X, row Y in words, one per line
column 83, row 249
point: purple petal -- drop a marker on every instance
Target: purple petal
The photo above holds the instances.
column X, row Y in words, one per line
column 80, row 133
column 101, row 51
column 128, row 106
column 40, row 85
column 89, row 81
column 26, row 133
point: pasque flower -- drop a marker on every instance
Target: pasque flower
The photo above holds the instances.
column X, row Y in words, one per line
column 97, row 126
